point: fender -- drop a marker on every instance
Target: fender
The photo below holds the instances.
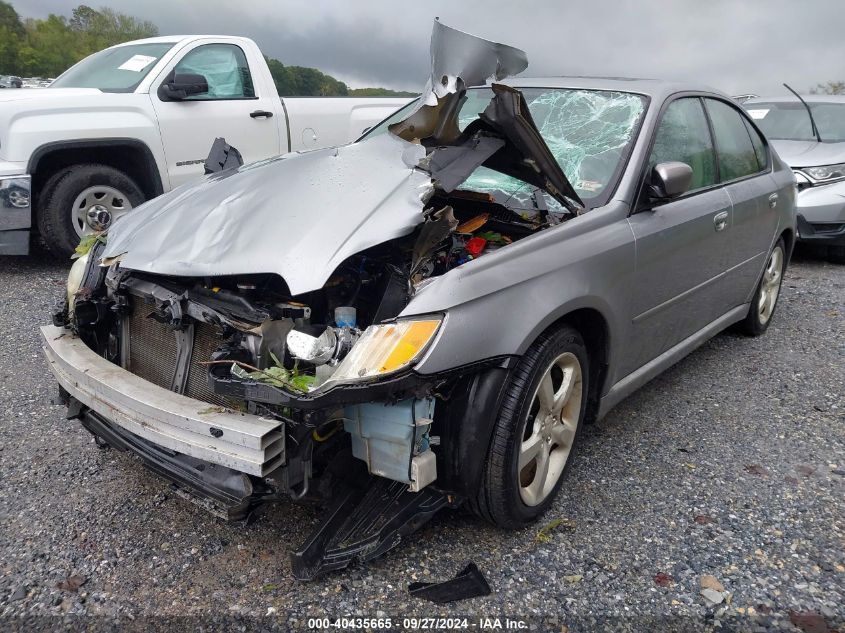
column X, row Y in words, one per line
column 150, row 166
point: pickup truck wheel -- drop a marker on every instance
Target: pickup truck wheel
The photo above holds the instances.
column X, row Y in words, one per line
column 83, row 199
column 542, row 411
column 768, row 290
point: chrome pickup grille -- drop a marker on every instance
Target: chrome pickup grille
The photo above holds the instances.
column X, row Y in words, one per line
column 153, row 353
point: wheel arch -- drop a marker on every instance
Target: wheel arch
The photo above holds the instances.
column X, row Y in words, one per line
column 466, row 421
column 131, row 156
column 788, row 236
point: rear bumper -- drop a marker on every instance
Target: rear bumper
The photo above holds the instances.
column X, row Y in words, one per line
column 15, row 214
column 243, row 442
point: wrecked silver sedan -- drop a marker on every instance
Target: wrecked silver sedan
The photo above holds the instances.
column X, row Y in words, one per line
column 425, row 317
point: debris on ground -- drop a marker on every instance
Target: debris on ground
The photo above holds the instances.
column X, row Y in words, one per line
column 72, row 583
column 809, row 622
column 756, row 469
column 469, row 583
column 544, row 535
column 710, row 582
column 19, row 593
column 713, row 591
column 662, row 579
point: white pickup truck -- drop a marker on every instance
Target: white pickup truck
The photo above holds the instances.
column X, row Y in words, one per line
column 138, row 119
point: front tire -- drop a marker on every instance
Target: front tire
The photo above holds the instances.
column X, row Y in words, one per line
column 82, row 199
column 536, row 430
column 765, row 299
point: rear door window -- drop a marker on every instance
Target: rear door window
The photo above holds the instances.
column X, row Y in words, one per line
column 737, row 156
column 683, row 135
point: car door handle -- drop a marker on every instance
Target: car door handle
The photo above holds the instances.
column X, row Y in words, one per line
column 260, row 113
column 773, row 200
column 720, row 221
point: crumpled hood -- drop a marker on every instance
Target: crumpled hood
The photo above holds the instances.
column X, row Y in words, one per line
column 298, row 215
column 809, row 153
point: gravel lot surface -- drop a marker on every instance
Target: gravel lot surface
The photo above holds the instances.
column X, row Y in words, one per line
column 731, row 465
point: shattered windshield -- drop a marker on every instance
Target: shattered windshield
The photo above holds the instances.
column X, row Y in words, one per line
column 587, row 131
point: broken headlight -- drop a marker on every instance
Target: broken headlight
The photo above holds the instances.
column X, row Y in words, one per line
column 386, row 348
column 75, row 278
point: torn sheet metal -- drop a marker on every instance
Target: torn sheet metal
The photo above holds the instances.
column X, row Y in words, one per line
column 458, row 60
column 475, row 60
column 221, row 157
column 532, row 161
column 298, row 215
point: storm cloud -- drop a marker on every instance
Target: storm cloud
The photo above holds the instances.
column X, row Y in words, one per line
column 736, row 46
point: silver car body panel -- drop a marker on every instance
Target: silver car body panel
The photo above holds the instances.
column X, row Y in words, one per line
column 244, row 442
column 324, row 206
column 658, row 280
column 455, row 54
column 367, row 193
column 821, row 203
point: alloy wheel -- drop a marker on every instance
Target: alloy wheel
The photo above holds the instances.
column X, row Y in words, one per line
column 770, row 285
column 550, row 429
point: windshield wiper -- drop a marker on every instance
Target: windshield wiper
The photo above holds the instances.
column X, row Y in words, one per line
column 809, row 111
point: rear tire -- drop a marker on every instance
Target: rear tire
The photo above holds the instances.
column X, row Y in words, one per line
column 765, row 299
column 542, row 411
column 62, row 220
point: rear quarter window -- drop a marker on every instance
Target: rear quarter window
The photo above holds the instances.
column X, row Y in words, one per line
column 760, row 149
column 734, row 150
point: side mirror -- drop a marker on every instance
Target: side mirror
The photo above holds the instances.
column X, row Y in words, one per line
column 177, row 87
column 670, row 180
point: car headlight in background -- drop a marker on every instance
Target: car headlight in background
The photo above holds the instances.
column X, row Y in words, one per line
column 825, row 173
column 386, row 348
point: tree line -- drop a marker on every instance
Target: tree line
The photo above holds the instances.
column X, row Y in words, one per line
column 33, row 47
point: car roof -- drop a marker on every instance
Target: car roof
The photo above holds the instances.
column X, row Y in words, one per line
column 657, row 89
column 792, row 99
column 172, row 39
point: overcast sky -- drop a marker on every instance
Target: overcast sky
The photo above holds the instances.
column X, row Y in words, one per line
column 738, row 46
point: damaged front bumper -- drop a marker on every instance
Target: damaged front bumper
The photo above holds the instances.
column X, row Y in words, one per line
column 247, row 443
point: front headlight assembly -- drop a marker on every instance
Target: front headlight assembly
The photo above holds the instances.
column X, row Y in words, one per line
column 386, row 349
column 75, row 279
column 825, row 173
